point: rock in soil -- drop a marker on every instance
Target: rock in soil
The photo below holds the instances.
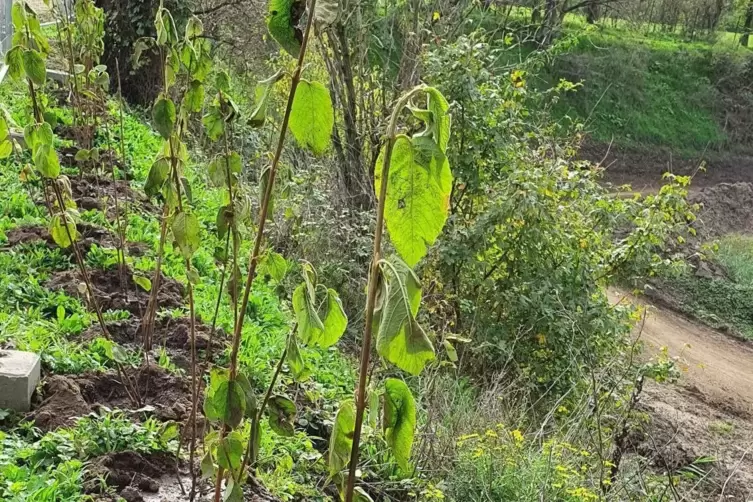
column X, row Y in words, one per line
column 63, row 403
column 107, row 289
column 131, row 472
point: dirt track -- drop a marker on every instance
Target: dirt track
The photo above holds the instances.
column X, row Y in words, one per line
column 709, row 413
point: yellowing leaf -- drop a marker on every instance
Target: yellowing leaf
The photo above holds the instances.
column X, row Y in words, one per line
column 341, row 440
column 312, row 116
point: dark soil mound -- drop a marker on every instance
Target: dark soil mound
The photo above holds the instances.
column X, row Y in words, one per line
column 168, row 332
column 91, row 192
column 129, row 472
column 63, row 403
column 725, row 208
column 107, row 289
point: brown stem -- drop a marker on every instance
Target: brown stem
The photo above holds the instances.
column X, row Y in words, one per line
column 372, row 292
column 255, row 253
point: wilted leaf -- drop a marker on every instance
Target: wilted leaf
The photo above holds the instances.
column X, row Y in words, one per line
column 399, row 420
column 194, row 97
column 335, row 321
column 310, row 326
column 60, row 235
column 164, row 116
column 281, row 415
column 157, row 176
column 295, row 360
column 341, row 440
column 214, row 123
column 143, row 282
column 261, row 94
column 46, row 161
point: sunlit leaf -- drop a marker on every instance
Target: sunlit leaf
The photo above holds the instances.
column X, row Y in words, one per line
column 46, row 161
column 312, row 116
column 341, row 439
column 186, row 232
column 193, row 100
column 34, row 66
column 283, row 17
column 60, row 235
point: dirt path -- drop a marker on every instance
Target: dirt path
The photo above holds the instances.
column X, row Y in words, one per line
column 709, row 413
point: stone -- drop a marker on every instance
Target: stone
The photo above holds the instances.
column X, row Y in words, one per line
column 19, row 375
column 131, row 494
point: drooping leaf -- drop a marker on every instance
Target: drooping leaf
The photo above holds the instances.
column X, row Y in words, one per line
column 437, row 118
column 218, row 169
column 418, row 195
column 46, row 161
column 34, row 66
column 399, row 420
column 18, row 15
column 335, row 321
column 164, row 116
column 165, row 26
column 186, row 232
column 325, row 12
column 261, row 95
column 194, row 28
column 295, row 360
column 248, row 392
column 281, row 415
column 400, row 339
column 207, row 466
column 226, row 403
column 230, row 451
column 38, row 134
column 224, row 220
column 60, row 235
column 312, row 116
column 310, row 326
column 83, row 155
column 14, row 59
column 157, row 175
column 341, row 439
column 233, row 491
column 283, row 17
column 142, row 282
column 214, row 123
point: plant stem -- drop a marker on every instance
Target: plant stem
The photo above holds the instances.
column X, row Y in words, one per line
column 255, row 253
column 372, row 292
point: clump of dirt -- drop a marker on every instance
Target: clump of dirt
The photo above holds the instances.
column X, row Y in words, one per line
column 63, row 403
column 725, row 208
column 107, row 289
column 168, row 332
column 89, row 192
column 131, row 471
column 88, row 235
column 169, row 394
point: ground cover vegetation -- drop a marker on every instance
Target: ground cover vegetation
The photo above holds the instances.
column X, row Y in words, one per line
column 357, row 260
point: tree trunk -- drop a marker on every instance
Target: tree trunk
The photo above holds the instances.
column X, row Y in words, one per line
column 748, row 23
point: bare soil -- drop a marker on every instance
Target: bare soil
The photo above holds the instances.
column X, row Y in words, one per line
column 88, row 235
column 709, row 413
column 110, row 295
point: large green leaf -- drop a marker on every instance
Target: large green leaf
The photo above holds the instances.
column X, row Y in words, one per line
column 310, row 325
column 164, row 116
column 157, row 176
column 186, row 232
column 400, row 339
column 274, row 265
column 341, row 440
column 312, row 116
column 418, row 195
column 214, row 123
column 399, row 420
column 14, row 58
column 230, row 451
column 225, row 400
column 218, row 169
column 281, row 415
column 38, row 134
column 34, row 66
column 283, row 17
column 193, row 100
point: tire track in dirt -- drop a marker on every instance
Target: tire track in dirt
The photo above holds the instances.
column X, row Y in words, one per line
column 709, row 412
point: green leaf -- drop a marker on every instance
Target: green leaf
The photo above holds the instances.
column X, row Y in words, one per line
column 281, row 415
column 360, row 495
column 400, row 339
column 438, row 127
column 34, row 66
column 82, row 155
column 59, row 233
column 248, row 392
column 46, row 161
column 157, row 175
column 341, row 440
column 194, row 97
column 18, row 15
column 164, row 116
column 169, row 431
column 312, row 116
column 214, row 123
column 226, row 403
column 142, row 282
column 273, row 265
column 222, row 81
column 14, row 58
column 335, row 321
column 310, row 325
column 230, row 451
column 452, row 354
column 399, row 420
column 186, row 232
column 225, row 218
column 165, row 26
column 38, row 134
column 418, row 195
column 194, row 28
column 283, row 17
column 233, row 491
column 295, row 361
column 207, row 466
